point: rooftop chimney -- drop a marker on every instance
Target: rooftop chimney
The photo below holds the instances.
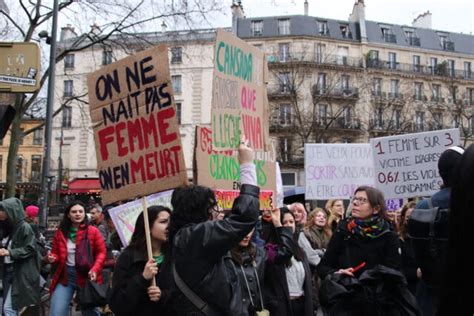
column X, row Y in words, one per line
column 306, row 7
column 237, row 13
column 67, row 32
column 164, row 27
column 423, row 20
column 358, row 16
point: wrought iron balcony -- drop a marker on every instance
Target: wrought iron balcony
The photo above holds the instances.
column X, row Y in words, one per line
column 308, row 57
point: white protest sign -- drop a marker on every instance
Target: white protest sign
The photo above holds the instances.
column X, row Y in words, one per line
column 407, row 165
column 124, row 216
column 334, row 171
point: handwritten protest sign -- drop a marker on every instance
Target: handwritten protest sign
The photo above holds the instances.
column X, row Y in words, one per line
column 135, row 127
column 239, row 98
column 221, row 171
column 124, row 216
column 407, row 165
column 334, row 171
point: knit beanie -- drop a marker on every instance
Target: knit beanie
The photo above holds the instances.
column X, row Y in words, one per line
column 32, row 211
column 448, row 162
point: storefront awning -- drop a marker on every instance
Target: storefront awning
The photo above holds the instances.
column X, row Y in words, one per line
column 83, row 186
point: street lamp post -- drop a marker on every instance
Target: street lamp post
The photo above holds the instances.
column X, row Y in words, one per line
column 46, row 178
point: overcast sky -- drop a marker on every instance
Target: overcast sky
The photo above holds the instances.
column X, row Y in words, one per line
column 448, row 15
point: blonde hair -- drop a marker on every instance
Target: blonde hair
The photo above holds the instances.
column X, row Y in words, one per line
column 326, row 229
column 332, row 216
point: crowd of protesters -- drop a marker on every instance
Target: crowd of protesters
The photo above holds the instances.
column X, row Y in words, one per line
column 287, row 261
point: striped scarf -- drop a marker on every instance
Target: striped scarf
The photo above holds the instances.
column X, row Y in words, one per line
column 371, row 228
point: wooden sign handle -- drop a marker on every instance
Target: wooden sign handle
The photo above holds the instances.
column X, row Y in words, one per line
column 147, row 235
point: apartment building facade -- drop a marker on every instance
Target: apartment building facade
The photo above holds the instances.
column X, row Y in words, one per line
column 338, row 81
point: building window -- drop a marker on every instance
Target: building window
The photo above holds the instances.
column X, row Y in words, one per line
column 392, row 60
column 323, row 113
column 456, row 119
column 436, row 93
column 388, row 35
column 178, row 112
column 38, row 137
column 394, row 83
column 284, row 52
column 321, row 85
column 19, row 168
column 433, row 65
column 347, row 116
column 451, row 68
column 257, row 28
column 419, row 91
column 397, row 116
column 373, row 59
column 22, row 136
column 320, row 52
column 176, row 82
column 106, row 57
column 285, row 149
column 470, row 96
column 342, row 55
column 258, row 46
column 285, row 114
column 288, row 178
column 378, row 118
column 345, row 32
column 284, row 27
column 453, row 91
column 67, row 117
column 35, row 168
column 68, row 88
column 345, row 84
column 377, row 85
column 420, row 120
column 284, row 78
column 416, row 63
column 437, row 120
column 323, row 28
column 467, row 70
column 176, row 55
column 69, row 61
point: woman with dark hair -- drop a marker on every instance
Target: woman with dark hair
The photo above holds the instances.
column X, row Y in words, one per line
column 131, row 291
column 200, row 245
column 249, row 262
column 288, row 288
column 456, row 290
column 365, row 237
column 66, row 278
column 408, row 264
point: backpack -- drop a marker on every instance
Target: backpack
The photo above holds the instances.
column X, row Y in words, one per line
column 429, row 231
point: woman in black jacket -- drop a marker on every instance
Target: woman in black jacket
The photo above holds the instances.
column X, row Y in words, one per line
column 250, row 260
column 132, row 292
column 364, row 239
column 201, row 246
column 288, row 288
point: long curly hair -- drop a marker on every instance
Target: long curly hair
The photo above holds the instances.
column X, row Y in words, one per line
column 191, row 205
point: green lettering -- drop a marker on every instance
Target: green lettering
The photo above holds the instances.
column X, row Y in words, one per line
column 219, row 65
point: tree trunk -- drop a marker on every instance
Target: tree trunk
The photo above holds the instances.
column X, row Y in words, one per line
column 15, row 137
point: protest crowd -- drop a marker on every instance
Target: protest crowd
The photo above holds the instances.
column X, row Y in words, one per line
column 216, row 250
column 285, row 261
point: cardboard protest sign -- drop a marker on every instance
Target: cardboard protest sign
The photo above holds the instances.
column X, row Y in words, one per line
column 239, row 99
column 334, row 171
column 407, row 165
column 124, row 216
column 136, row 132
column 220, row 171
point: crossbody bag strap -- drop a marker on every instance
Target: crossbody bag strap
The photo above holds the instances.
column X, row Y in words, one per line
column 190, row 295
column 258, row 284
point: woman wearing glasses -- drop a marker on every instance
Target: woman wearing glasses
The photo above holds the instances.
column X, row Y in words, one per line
column 364, row 239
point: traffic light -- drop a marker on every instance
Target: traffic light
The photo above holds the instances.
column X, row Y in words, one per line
column 7, row 113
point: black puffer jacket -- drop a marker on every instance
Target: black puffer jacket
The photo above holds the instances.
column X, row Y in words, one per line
column 346, row 250
column 200, row 256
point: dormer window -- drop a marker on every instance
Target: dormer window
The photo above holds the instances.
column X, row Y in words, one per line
column 284, row 27
column 412, row 39
column 387, row 34
column 345, row 32
column 323, row 28
column 446, row 44
column 257, row 28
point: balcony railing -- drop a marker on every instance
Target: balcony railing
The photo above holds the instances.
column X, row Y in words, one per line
column 420, row 69
column 328, row 122
column 437, row 99
column 324, row 59
column 395, row 95
column 336, row 92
